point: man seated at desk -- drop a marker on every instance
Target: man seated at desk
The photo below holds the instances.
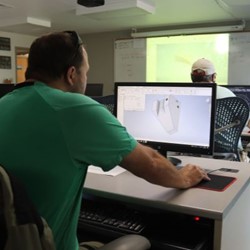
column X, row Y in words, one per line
column 203, row 70
column 51, row 132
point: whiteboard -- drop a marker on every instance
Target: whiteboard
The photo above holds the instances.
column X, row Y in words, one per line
column 130, row 60
column 239, row 59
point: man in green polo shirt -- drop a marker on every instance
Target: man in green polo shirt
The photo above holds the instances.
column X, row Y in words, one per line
column 51, row 132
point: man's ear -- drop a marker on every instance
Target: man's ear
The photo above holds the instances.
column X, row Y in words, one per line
column 70, row 75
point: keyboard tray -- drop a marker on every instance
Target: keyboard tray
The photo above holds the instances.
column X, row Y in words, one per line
column 111, row 217
column 102, row 220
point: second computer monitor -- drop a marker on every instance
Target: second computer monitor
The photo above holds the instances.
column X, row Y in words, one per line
column 175, row 117
column 94, row 89
column 242, row 91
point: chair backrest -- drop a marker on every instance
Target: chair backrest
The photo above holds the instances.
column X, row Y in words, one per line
column 21, row 226
column 108, row 101
column 230, row 118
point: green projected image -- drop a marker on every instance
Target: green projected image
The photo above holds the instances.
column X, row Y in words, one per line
column 169, row 59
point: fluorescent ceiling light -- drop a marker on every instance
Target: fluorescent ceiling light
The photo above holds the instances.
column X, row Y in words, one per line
column 39, row 22
column 200, row 30
column 26, row 20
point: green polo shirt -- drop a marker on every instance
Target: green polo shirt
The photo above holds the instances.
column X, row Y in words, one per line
column 48, row 140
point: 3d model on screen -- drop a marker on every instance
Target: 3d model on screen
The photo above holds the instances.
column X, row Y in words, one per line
column 167, row 111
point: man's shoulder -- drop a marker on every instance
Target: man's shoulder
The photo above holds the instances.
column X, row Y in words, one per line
column 60, row 99
column 223, row 92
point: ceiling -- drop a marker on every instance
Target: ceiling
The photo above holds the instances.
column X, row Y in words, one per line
column 36, row 17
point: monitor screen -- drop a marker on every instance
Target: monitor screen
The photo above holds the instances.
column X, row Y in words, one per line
column 177, row 117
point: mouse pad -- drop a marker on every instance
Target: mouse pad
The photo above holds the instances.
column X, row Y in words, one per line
column 217, row 182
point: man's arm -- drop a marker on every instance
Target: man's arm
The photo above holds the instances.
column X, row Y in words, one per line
column 153, row 167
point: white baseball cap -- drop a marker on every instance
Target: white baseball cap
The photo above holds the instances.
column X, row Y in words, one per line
column 205, row 65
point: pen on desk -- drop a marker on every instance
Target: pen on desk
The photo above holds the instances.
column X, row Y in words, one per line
column 214, row 170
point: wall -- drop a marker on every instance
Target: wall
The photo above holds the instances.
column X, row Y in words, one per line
column 100, row 48
column 16, row 40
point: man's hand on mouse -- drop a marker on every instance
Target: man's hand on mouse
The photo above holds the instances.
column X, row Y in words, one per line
column 193, row 174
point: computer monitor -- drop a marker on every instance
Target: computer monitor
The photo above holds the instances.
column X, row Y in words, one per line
column 242, row 91
column 176, row 117
column 94, row 89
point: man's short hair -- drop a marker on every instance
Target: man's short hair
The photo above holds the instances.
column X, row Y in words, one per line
column 51, row 55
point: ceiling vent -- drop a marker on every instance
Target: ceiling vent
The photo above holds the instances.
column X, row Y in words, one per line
column 115, row 8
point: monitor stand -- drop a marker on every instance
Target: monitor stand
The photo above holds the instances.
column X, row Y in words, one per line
column 174, row 160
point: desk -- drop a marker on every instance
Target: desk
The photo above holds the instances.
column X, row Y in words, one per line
column 229, row 209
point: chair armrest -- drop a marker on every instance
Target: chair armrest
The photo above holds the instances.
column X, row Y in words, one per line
column 128, row 242
column 225, row 156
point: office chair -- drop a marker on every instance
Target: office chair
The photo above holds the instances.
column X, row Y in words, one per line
column 22, row 227
column 108, row 101
column 127, row 242
column 230, row 118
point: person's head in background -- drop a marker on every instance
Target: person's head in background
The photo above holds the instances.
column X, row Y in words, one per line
column 59, row 60
column 203, row 70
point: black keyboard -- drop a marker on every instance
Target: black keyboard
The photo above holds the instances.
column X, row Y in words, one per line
column 112, row 217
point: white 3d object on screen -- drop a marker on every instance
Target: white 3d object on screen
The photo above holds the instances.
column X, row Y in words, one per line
column 167, row 111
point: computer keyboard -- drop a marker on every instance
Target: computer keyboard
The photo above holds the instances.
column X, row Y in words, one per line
column 108, row 216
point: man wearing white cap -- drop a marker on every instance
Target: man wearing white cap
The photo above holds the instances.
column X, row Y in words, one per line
column 203, row 70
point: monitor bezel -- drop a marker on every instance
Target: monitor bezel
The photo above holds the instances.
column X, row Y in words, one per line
column 164, row 147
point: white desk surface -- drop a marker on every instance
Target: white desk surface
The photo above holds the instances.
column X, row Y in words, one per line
column 194, row 201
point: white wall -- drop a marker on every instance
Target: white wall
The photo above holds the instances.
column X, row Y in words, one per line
column 16, row 40
column 100, row 48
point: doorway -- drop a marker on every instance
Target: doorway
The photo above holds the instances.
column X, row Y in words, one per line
column 21, row 63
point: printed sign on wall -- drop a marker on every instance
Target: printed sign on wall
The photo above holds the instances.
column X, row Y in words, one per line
column 4, row 43
column 5, row 62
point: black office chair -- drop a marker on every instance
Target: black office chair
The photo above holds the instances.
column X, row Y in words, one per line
column 21, row 227
column 108, row 101
column 230, row 118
